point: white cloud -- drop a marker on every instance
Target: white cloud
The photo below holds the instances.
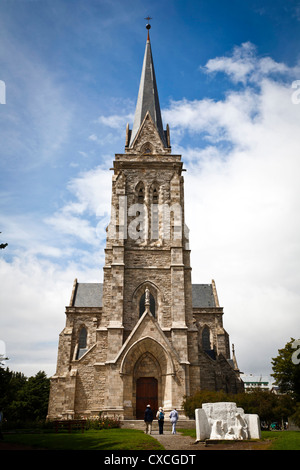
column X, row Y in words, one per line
column 238, row 66
column 39, row 265
column 34, row 293
column 244, row 65
column 82, row 217
column 242, row 202
column 115, row 121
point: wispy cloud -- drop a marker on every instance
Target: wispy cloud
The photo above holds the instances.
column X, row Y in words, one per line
column 243, row 65
column 89, row 203
column 37, row 115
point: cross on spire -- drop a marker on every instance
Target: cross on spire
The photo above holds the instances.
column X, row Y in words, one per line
column 148, row 26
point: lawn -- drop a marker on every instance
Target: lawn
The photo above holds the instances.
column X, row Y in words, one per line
column 279, row 440
column 283, row 440
column 112, row 439
column 128, row 439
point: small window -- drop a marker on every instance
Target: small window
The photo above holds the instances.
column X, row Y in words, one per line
column 140, row 192
column 141, row 196
column 147, row 148
column 155, row 196
column 154, row 212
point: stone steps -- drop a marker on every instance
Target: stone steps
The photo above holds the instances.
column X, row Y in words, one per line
column 139, row 424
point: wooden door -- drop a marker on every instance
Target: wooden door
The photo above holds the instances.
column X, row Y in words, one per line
column 146, row 394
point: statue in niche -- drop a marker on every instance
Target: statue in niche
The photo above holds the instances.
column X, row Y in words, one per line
column 147, row 296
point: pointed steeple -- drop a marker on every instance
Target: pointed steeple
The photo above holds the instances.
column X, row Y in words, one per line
column 148, row 97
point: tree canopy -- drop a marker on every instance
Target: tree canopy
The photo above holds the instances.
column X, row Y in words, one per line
column 23, row 399
column 286, row 370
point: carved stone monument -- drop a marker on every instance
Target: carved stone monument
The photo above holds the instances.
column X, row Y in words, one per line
column 224, row 420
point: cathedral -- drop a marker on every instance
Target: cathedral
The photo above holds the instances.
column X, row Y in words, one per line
column 146, row 335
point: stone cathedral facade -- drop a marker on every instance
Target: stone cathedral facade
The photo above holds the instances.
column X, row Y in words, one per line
column 146, row 334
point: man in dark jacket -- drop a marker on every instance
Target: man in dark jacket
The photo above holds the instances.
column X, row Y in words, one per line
column 148, row 418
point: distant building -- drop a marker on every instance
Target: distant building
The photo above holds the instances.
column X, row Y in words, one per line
column 258, row 381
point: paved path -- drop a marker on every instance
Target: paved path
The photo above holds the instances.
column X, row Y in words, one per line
column 178, row 442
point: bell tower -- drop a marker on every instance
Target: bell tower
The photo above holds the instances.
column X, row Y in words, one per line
column 147, row 247
column 147, row 244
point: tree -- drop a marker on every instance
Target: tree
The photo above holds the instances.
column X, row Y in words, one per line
column 286, row 371
column 23, row 399
column 35, row 395
column 296, row 416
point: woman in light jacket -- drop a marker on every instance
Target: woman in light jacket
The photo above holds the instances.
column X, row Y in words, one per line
column 174, row 419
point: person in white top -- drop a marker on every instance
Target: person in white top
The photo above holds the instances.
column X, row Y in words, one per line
column 174, row 419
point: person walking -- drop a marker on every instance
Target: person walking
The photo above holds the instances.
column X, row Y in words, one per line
column 160, row 415
column 174, row 419
column 148, row 418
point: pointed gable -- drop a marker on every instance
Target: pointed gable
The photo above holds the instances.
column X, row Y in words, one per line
column 147, row 138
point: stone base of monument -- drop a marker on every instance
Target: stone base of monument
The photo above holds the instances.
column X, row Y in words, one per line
column 225, row 421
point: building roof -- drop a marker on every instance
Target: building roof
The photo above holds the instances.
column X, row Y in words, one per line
column 203, row 296
column 147, row 98
column 90, row 295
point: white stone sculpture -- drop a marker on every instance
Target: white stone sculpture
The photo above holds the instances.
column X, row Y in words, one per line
column 224, row 420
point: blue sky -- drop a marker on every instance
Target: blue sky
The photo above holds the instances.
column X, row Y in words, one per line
column 225, row 72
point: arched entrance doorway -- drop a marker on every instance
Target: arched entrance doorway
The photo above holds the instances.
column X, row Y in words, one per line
column 146, row 394
column 146, row 359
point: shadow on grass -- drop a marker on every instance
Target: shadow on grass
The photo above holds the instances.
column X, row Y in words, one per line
column 113, row 439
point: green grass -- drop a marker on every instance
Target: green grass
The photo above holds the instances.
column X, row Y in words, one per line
column 112, row 439
column 279, row 440
column 128, row 439
column 283, row 440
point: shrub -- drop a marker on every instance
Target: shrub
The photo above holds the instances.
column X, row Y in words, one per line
column 103, row 423
column 269, row 406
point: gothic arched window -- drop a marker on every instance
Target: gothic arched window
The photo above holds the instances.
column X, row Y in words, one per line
column 206, row 339
column 140, row 193
column 154, row 192
column 141, row 196
column 155, row 196
column 82, row 343
column 142, row 305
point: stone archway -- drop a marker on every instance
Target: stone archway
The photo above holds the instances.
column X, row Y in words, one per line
column 147, row 382
column 146, row 358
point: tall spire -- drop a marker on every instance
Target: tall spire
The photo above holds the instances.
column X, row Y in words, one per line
column 148, row 96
